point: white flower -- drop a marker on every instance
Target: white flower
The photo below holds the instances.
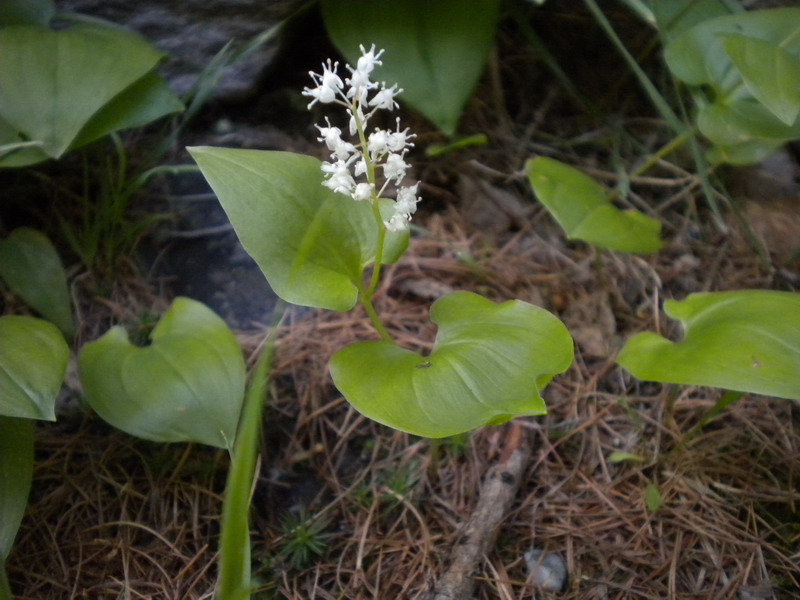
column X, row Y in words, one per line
column 399, row 140
column 359, row 86
column 328, row 84
column 360, row 168
column 362, row 192
column 378, row 143
column 384, row 99
column 406, row 202
column 339, row 178
column 398, row 222
column 330, row 135
column 404, row 207
column 395, row 167
column 368, row 59
column 359, row 114
column 359, row 80
column 383, row 151
column 344, row 150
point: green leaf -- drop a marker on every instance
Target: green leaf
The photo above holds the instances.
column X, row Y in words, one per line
column 582, row 208
column 770, row 73
column 5, row 588
column 616, row 457
column 676, row 16
column 744, row 153
column 435, row 51
column 747, row 341
column 745, row 63
column 489, row 363
column 741, row 121
column 27, row 152
column 33, row 360
column 26, row 12
column 234, row 579
column 311, row 243
column 187, row 385
column 743, row 132
column 141, row 103
column 16, row 473
column 698, row 55
column 31, row 267
column 652, row 497
column 54, row 82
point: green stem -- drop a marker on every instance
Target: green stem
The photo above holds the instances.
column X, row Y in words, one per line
column 655, row 96
column 433, row 465
column 366, row 302
column 665, row 150
column 366, row 295
column 673, row 120
column 376, row 269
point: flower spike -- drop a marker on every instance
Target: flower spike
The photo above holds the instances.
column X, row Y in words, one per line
column 382, row 151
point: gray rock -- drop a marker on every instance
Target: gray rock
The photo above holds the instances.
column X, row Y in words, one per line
column 547, row 570
column 763, row 591
column 192, row 32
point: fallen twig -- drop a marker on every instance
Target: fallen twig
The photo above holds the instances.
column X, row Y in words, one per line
column 474, row 539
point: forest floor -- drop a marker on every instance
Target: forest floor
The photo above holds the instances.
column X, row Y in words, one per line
column 346, row 508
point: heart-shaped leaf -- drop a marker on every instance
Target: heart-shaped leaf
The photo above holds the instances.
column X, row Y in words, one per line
column 748, row 61
column 31, row 267
column 187, row 385
column 435, row 51
column 33, row 360
column 55, row 82
column 311, row 243
column 490, row 363
column 770, row 73
column 582, row 208
column 698, row 56
column 16, row 473
column 747, row 341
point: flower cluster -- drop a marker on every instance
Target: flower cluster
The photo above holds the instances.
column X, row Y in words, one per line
column 379, row 149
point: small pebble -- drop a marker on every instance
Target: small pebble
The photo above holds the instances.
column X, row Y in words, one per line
column 547, row 570
column 755, row 592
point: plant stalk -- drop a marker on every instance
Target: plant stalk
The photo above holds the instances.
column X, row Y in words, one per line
column 234, row 581
column 665, row 150
column 366, row 302
column 366, row 295
column 376, row 269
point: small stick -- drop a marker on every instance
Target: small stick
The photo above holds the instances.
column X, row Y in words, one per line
column 475, row 537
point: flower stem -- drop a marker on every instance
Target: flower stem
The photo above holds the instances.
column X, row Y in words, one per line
column 366, row 302
column 376, row 269
column 366, row 295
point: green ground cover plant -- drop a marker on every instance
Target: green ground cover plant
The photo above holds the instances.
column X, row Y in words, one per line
column 489, row 362
column 65, row 88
